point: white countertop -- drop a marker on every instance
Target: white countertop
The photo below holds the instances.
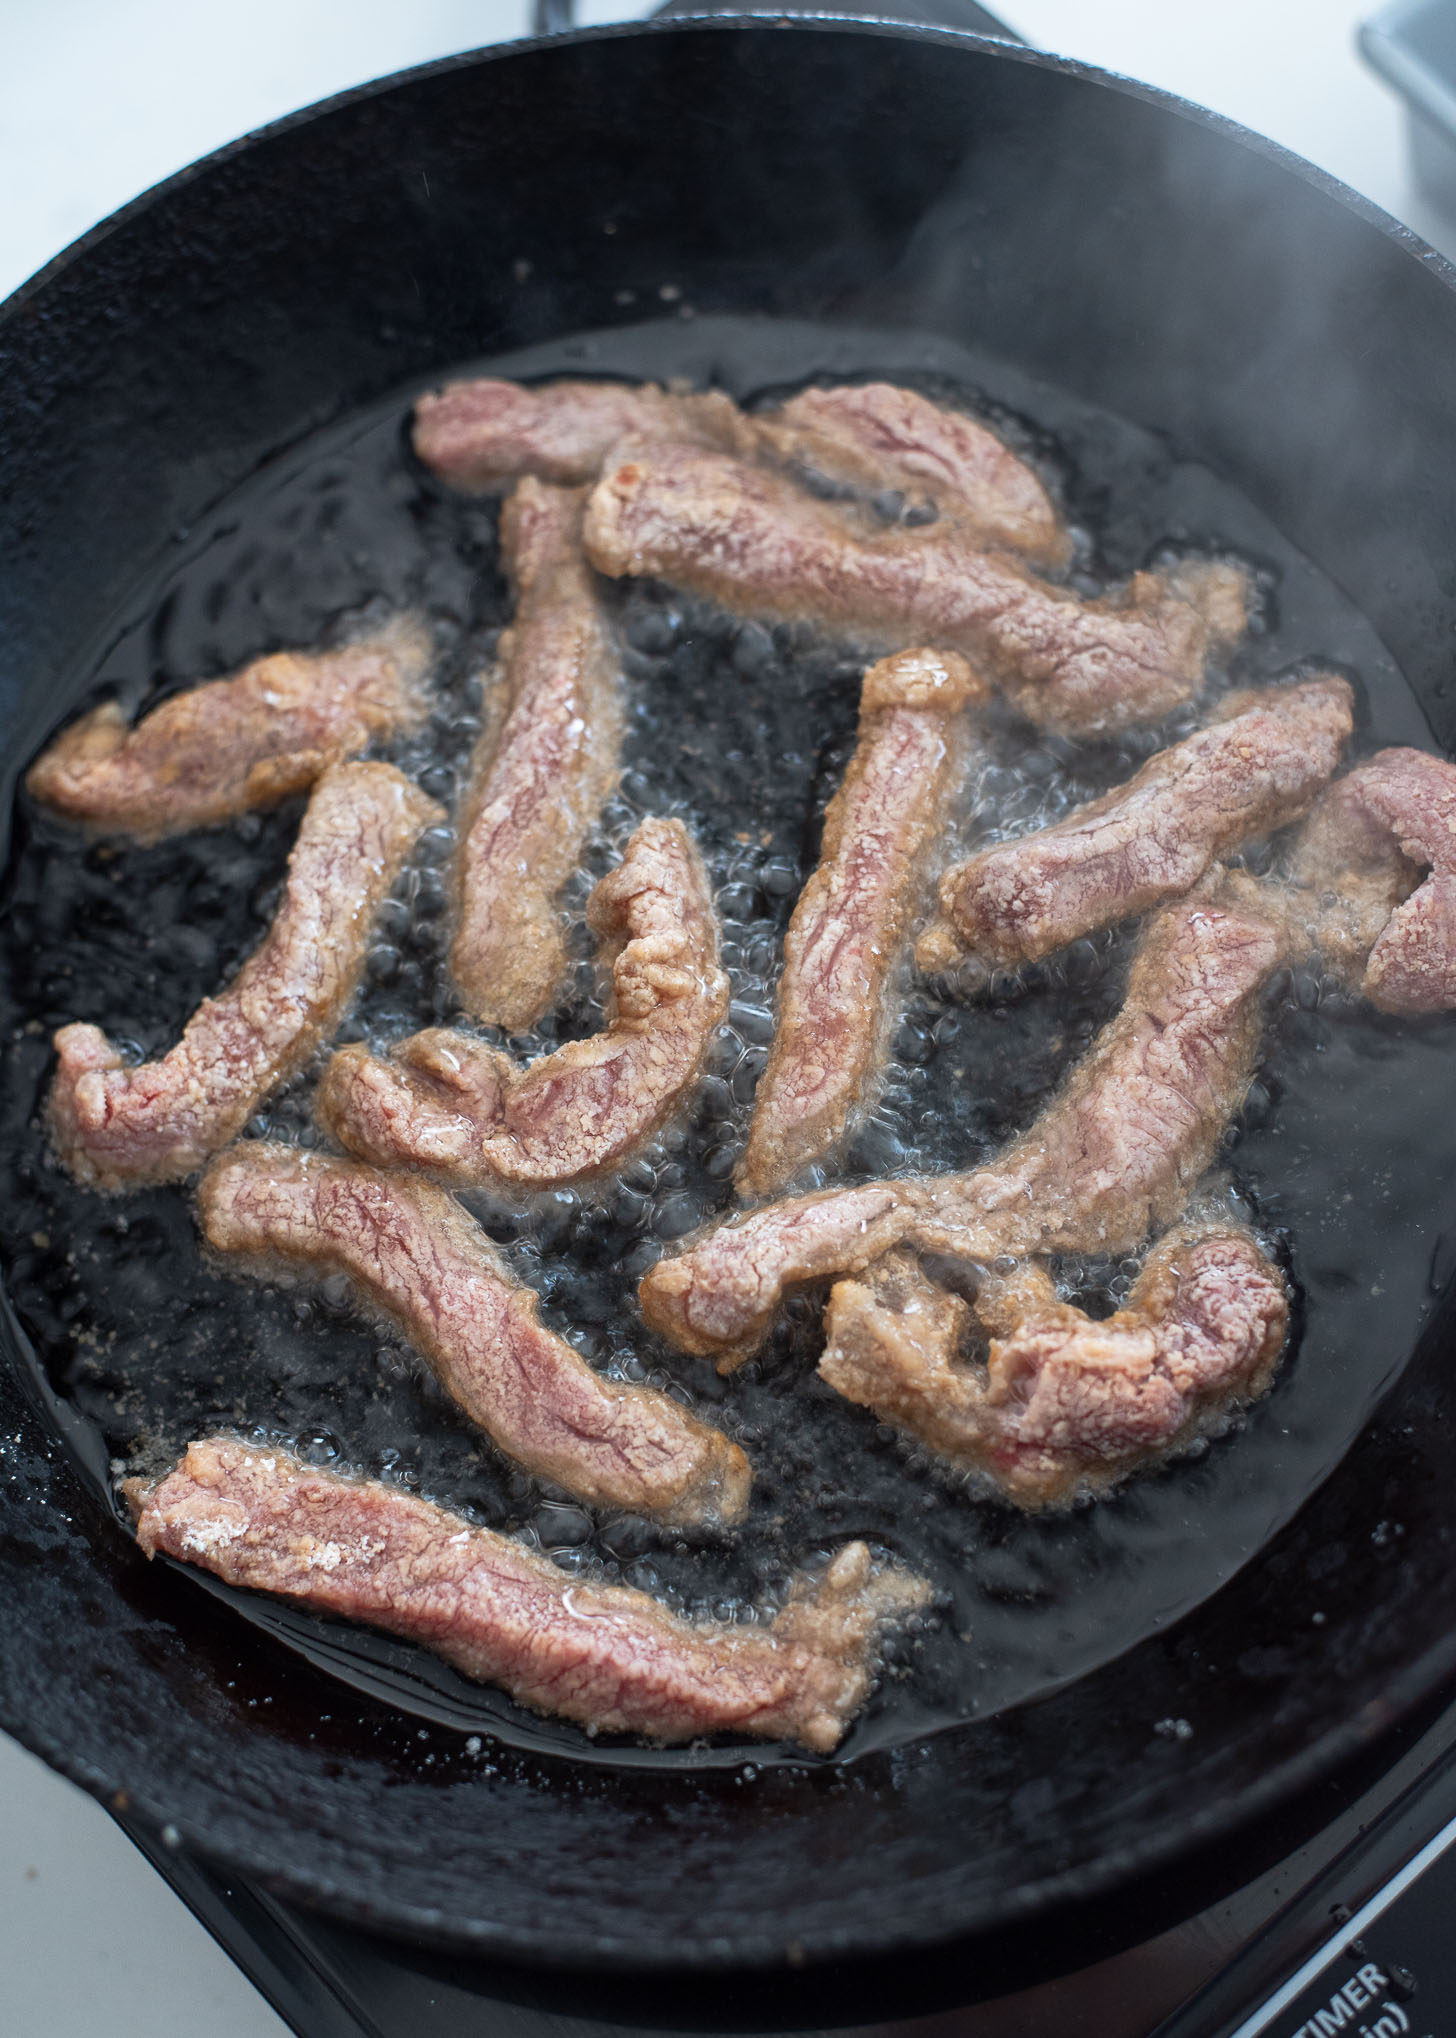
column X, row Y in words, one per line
column 99, row 99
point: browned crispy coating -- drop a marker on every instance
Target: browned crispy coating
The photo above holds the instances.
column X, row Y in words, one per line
column 416, row 1255
column 458, row 1107
column 117, row 1126
column 750, row 540
column 609, row 1657
column 875, row 437
column 1256, row 769
column 1357, row 885
column 544, row 765
column 1064, row 1404
column 1111, row 1159
column 220, row 749
column 852, row 917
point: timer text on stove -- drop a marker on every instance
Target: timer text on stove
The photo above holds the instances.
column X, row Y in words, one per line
column 1361, row 2009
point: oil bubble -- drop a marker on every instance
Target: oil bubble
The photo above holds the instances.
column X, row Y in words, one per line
column 675, row 1216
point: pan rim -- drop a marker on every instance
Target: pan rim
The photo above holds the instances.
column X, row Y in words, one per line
column 1208, row 1823
column 622, row 1954
column 797, row 21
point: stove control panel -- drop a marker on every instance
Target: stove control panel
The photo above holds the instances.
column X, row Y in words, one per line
column 1388, row 1971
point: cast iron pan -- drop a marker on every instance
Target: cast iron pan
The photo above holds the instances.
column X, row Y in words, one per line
column 1137, row 254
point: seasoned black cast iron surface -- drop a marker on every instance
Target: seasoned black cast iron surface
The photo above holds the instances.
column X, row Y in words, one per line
column 224, row 343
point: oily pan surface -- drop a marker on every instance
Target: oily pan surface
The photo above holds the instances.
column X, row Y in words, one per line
column 744, row 732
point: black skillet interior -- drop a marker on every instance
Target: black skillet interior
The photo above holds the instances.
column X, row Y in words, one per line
column 1133, row 253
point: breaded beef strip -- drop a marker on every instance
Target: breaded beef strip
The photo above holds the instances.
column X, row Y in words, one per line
column 749, row 540
column 1357, row 885
column 223, row 748
column 116, row 1126
column 1112, row 1158
column 544, row 765
column 874, row 437
column 422, row 1260
column 1064, row 1404
column 613, row 1659
column 1256, row 769
column 452, row 1104
column 718, row 1297
column 852, row 918
column 484, row 434
column 869, row 440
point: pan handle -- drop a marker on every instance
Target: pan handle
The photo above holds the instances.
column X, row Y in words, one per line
column 554, row 17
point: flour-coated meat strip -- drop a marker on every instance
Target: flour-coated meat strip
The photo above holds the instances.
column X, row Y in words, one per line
column 876, row 437
column 450, row 1103
column 611, row 1658
column 718, row 1297
column 1116, row 1153
column 748, row 539
column 1255, row 770
column 1111, row 1159
column 544, row 765
column 870, row 439
column 483, row 434
column 416, row 1255
column 225, row 747
column 852, row 917
column 1358, row 888
column 1064, row 1404
column 116, row 1126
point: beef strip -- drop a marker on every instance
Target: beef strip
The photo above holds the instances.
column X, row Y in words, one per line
column 450, row 1103
column 117, row 1127
column 416, row 1255
column 1357, row 889
column 1256, row 769
column 751, row 541
column 611, row 1658
column 875, row 437
column 868, row 440
column 1111, row 1159
column 484, row 434
column 852, row 917
column 1115, row 1155
column 1064, row 1404
column 218, row 750
column 545, row 763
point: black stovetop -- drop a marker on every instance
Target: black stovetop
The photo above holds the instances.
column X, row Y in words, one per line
column 1336, row 1915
